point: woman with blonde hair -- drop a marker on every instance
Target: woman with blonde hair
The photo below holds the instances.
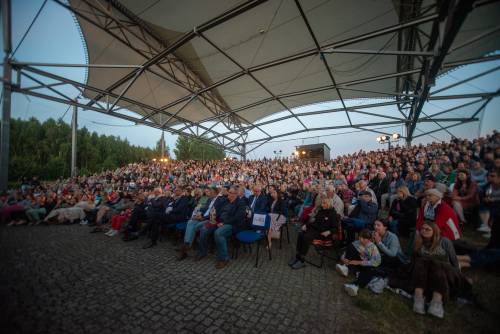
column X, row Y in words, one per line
column 325, row 224
column 403, row 212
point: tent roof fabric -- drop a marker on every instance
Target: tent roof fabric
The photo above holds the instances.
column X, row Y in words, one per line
column 264, row 59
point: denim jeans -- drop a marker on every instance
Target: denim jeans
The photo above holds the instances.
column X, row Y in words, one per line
column 393, row 226
column 353, row 225
column 220, row 235
column 485, row 258
column 191, row 228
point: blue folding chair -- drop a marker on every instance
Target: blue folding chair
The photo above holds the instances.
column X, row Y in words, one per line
column 257, row 233
column 181, row 227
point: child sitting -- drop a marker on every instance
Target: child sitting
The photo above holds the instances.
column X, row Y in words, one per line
column 361, row 257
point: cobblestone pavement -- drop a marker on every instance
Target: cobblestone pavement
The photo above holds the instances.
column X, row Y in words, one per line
column 61, row 279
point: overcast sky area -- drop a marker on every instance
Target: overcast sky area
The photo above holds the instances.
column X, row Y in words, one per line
column 55, row 38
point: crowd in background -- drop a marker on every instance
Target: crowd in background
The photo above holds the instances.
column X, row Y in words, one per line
column 425, row 194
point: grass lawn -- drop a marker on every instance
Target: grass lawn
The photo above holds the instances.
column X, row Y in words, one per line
column 391, row 313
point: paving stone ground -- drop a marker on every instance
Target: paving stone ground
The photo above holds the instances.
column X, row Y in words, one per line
column 61, row 279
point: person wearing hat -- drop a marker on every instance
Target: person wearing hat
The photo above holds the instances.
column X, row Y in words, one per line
column 362, row 216
column 429, row 183
column 435, row 210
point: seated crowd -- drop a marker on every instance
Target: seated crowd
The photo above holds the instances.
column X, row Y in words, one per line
column 366, row 202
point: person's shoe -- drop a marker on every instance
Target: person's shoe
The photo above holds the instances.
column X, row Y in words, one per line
column 298, row 265
column 419, row 305
column 130, row 237
column 351, row 289
column 487, row 235
column 292, row 261
column 484, row 229
column 108, row 233
column 342, row 269
column 149, row 245
column 436, row 309
column 84, row 222
column 11, row 223
column 96, row 230
column 221, row 264
column 113, row 233
column 181, row 256
column 199, row 257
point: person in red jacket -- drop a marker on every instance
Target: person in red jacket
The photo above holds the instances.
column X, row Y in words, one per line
column 435, row 210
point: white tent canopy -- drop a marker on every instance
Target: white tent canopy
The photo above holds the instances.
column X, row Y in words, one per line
column 215, row 69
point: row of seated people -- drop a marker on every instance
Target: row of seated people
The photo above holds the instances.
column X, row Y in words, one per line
column 429, row 269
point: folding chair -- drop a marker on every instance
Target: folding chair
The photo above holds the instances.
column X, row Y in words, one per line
column 335, row 243
column 285, row 225
column 259, row 230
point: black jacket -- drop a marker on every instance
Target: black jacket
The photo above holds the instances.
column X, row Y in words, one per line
column 279, row 207
column 407, row 213
column 325, row 220
column 233, row 213
column 220, row 201
column 180, row 208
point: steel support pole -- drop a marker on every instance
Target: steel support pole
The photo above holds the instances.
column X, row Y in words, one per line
column 7, row 76
column 74, row 134
column 244, row 151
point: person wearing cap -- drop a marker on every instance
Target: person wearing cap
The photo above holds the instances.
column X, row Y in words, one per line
column 436, row 210
column 216, row 201
column 362, row 216
column 429, row 183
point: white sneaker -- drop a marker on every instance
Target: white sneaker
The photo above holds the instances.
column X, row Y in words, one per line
column 109, row 233
column 484, row 228
column 419, row 305
column 487, row 235
column 113, row 233
column 436, row 309
column 342, row 269
column 351, row 289
column 84, row 222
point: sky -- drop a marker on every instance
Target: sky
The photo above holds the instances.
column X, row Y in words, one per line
column 55, row 38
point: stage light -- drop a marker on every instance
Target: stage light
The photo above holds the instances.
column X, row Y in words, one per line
column 303, row 152
column 379, row 139
column 154, row 160
column 396, row 135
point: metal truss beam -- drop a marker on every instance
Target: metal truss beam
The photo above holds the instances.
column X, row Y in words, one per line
column 312, row 52
column 447, row 127
column 344, row 85
column 452, row 14
column 120, row 29
column 323, row 58
column 22, row 69
column 479, row 75
column 114, row 114
column 364, row 125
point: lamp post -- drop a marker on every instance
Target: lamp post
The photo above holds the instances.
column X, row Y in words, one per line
column 388, row 139
column 278, row 153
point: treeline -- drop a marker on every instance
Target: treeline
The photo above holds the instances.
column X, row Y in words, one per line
column 44, row 149
column 187, row 148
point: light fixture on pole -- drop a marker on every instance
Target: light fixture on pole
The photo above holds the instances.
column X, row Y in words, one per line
column 388, row 139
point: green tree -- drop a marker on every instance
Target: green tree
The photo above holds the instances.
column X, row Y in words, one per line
column 44, row 149
column 187, row 148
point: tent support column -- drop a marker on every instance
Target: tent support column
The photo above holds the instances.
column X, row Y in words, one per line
column 7, row 92
column 74, row 134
